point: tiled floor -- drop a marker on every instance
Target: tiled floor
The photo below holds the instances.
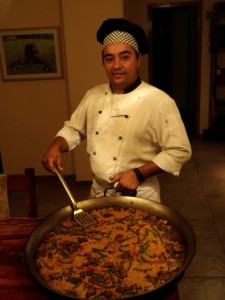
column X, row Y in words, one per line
column 198, row 194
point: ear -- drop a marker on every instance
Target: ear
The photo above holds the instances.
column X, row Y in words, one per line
column 139, row 59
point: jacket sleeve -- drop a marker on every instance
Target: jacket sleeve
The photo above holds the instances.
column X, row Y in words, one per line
column 74, row 130
column 171, row 135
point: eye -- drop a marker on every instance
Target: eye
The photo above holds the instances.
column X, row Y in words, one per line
column 125, row 57
column 108, row 59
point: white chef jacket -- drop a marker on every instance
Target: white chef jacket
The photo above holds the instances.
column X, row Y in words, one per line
column 125, row 131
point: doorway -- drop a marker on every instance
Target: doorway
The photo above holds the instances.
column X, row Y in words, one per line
column 175, row 56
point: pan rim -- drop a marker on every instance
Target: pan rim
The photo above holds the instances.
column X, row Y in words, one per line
column 162, row 210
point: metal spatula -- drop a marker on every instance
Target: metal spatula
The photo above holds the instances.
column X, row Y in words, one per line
column 81, row 217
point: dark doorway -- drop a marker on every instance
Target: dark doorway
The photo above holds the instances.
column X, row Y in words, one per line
column 174, row 59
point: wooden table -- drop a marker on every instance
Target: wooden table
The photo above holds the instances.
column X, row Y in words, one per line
column 15, row 281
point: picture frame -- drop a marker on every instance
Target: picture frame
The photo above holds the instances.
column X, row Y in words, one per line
column 31, row 54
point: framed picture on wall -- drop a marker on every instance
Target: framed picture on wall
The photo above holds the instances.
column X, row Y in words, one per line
column 31, row 54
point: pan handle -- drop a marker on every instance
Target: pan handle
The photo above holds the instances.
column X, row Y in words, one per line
column 131, row 193
column 66, row 188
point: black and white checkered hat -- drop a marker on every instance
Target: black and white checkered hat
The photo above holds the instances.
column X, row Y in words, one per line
column 122, row 30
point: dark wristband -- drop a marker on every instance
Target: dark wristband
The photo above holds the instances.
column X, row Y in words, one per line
column 139, row 175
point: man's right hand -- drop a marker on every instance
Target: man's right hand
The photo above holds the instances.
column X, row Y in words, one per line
column 53, row 155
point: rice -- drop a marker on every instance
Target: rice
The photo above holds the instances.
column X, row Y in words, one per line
column 128, row 252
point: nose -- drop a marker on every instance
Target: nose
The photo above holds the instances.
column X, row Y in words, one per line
column 117, row 63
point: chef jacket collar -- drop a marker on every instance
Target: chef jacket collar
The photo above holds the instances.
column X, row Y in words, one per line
column 133, row 86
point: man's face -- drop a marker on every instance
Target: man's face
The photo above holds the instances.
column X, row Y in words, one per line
column 121, row 65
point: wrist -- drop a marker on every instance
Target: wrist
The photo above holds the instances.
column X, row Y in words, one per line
column 139, row 175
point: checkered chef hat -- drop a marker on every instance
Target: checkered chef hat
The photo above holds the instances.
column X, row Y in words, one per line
column 124, row 31
column 120, row 37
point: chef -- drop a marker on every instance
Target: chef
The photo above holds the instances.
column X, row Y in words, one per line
column 134, row 131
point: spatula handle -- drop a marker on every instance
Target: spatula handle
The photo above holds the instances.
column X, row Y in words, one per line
column 66, row 188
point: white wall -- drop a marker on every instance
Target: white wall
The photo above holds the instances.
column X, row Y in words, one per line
column 31, row 112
